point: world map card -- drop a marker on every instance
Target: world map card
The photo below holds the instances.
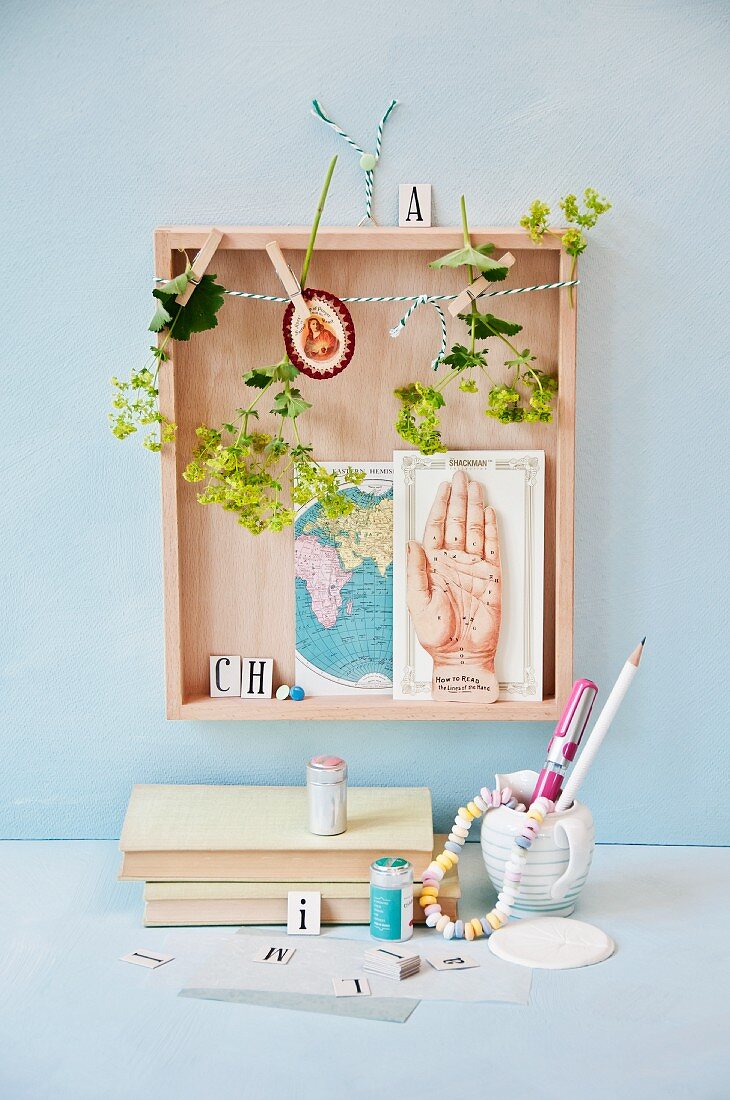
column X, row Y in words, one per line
column 344, row 589
column 468, row 562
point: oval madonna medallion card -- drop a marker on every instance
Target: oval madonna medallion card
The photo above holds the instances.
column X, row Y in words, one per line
column 323, row 344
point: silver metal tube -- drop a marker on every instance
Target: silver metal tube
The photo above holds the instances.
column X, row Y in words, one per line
column 327, row 795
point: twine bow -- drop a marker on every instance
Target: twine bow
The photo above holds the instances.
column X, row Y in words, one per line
column 422, row 300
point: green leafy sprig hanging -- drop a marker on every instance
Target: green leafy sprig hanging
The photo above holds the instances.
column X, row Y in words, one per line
column 261, row 476
column 136, row 401
column 574, row 239
column 252, row 473
column 527, row 396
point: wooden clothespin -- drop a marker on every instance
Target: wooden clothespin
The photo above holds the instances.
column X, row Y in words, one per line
column 200, row 265
column 479, row 286
column 289, row 280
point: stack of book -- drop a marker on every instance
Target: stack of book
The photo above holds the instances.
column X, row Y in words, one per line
column 230, row 855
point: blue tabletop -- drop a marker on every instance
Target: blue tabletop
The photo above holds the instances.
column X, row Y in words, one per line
column 76, row 1022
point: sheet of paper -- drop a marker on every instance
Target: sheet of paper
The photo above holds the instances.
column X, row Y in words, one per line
column 513, row 484
column 389, row 1010
column 319, row 960
column 344, row 589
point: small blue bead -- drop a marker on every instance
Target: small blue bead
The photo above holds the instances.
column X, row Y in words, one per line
column 512, row 803
column 459, row 930
column 486, row 926
column 297, row 692
column 520, row 840
column 451, row 847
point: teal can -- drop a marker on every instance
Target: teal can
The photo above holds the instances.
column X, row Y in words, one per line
column 391, row 899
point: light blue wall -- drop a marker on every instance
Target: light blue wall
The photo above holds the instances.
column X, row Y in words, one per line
column 120, row 116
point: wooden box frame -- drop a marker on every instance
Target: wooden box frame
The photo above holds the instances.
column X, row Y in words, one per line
column 216, row 598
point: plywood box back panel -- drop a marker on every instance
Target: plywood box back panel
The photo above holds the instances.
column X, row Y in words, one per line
column 230, row 592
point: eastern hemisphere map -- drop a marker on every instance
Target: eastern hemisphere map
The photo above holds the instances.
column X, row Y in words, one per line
column 344, row 590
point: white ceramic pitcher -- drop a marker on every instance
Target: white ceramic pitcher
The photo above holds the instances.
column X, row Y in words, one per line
column 558, row 861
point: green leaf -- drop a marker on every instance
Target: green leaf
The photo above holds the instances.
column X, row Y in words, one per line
column 177, row 285
column 259, row 378
column 537, row 380
column 486, row 325
column 460, row 358
column 160, row 318
column 302, row 450
column 521, row 361
column 290, row 404
column 200, row 312
column 474, row 257
column 285, row 371
column 276, row 447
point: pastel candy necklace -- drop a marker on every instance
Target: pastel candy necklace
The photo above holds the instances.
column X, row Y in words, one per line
column 500, row 914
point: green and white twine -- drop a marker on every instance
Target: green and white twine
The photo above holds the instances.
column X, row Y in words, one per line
column 368, row 161
column 424, row 300
column 416, row 300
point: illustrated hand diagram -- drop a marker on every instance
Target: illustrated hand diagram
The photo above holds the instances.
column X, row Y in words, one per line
column 454, row 590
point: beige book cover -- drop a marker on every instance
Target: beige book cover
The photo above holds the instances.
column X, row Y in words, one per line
column 212, row 903
column 266, row 891
column 217, row 911
column 203, row 891
column 228, row 833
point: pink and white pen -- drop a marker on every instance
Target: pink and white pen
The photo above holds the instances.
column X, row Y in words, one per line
column 565, row 740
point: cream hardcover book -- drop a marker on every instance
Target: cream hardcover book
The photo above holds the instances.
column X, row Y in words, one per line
column 259, row 834
column 334, row 910
column 180, row 903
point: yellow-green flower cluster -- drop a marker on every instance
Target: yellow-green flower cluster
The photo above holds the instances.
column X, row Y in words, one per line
column 505, row 401
column 135, row 406
column 594, row 207
column 261, row 476
column 528, row 396
column 504, row 404
column 312, row 481
column 574, row 239
column 418, row 422
column 136, row 402
column 536, row 220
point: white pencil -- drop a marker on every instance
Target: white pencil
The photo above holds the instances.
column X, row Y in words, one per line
column 601, row 728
